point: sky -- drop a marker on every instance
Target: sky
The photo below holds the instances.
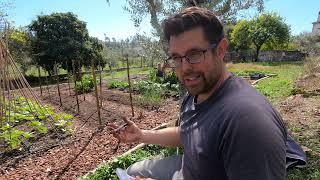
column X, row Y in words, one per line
column 111, row 20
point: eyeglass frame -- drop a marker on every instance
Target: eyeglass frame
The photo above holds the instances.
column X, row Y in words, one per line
column 203, row 51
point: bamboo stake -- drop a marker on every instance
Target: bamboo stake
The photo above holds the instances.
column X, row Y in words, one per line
column 96, row 92
column 9, row 95
column 80, row 73
column 130, row 89
column 2, row 94
column 68, row 78
column 75, row 85
column 48, row 89
column 57, row 80
column 40, row 80
column 101, row 69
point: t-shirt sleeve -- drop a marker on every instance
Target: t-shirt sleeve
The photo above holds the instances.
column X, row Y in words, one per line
column 253, row 144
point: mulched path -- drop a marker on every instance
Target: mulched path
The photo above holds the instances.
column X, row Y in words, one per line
column 53, row 161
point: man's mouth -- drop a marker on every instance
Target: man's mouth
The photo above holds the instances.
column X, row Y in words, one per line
column 192, row 80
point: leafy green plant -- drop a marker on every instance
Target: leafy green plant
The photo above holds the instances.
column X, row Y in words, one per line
column 152, row 76
column 14, row 137
column 63, row 121
column 85, row 85
column 107, row 171
column 117, row 84
column 34, row 120
column 171, row 78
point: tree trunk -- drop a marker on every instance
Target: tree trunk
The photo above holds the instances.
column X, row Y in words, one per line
column 257, row 53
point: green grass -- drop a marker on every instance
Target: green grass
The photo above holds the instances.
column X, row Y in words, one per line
column 33, row 71
column 123, row 74
column 275, row 88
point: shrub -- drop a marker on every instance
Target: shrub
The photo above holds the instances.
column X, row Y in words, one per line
column 85, row 85
column 117, row 84
column 171, row 78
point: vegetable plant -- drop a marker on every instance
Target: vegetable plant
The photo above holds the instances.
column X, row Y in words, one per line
column 24, row 119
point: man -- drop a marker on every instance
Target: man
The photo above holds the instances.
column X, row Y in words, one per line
column 161, row 70
column 227, row 129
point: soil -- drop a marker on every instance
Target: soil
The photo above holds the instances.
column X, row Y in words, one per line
column 68, row 157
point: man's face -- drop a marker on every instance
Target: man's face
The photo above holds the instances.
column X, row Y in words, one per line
column 200, row 78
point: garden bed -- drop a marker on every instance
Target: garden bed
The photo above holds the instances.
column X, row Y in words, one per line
column 49, row 163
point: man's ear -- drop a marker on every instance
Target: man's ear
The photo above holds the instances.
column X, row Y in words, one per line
column 222, row 48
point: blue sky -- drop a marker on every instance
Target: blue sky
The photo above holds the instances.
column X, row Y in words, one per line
column 113, row 21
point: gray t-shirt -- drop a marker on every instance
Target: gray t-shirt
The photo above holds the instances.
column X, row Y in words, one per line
column 234, row 134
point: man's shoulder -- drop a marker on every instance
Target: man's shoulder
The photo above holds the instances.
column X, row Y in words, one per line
column 241, row 95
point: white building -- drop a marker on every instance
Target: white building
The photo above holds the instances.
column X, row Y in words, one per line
column 316, row 26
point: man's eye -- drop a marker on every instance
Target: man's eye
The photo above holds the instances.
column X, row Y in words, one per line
column 194, row 53
column 176, row 58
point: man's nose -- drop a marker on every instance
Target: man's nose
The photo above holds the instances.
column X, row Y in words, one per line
column 185, row 65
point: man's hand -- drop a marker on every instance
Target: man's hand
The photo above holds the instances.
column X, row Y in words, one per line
column 128, row 133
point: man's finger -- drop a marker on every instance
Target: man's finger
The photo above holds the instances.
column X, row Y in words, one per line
column 111, row 126
column 126, row 120
column 118, row 128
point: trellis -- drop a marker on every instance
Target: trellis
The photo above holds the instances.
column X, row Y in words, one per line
column 12, row 81
column 13, row 84
column 95, row 72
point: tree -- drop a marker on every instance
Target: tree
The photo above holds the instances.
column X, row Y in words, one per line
column 308, row 43
column 158, row 9
column 4, row 6
column 268, row 27
column 19, row 46
column 59, row 37
column 93, row 53
column 151, row 48
column 239, row 35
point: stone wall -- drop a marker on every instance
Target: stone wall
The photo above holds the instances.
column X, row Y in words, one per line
column 281, row 56
column 249, row 56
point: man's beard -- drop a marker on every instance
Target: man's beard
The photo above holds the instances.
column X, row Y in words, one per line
column 206, row 84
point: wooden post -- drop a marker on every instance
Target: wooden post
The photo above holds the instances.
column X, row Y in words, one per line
column 47, row 82
column 130, row 89
column 2, row 99
column 57, row 79
column 100, row 82
column 96, row 92
column 75, row 84
column 80, row 75
column 141, row 61
column 68, row 75
column 39, row 73
column 6, row 74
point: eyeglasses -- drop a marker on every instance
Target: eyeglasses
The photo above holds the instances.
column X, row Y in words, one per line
column 193, row 57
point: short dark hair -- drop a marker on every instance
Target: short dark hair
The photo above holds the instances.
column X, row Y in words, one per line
column 194, row 17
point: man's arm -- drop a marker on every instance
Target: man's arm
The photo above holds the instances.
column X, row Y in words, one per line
column 165, row 137
column 132, row 133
